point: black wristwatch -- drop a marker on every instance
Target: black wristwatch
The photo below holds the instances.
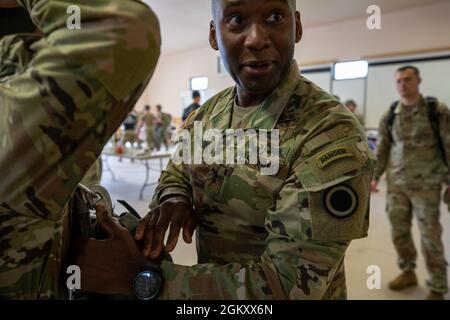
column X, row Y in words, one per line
column 148, row 283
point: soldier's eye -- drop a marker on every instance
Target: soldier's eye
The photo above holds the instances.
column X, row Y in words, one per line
column 275, row 17
column 235, row 20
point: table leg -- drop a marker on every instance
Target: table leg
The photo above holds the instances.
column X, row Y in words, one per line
column 147, row 169
column 108, row 168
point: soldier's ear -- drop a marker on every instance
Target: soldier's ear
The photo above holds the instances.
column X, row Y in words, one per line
column 298, row 27
column 213, row 35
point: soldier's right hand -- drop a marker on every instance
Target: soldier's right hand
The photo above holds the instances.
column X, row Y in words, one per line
column 176, row 211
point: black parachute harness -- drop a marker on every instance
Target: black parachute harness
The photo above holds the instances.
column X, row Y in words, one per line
column 433, row 116
column 84, row 224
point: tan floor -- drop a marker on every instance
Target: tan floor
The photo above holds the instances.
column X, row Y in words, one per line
column 377, row 249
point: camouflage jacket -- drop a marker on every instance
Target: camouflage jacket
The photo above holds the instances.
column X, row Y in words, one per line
column 283, row 235
column 414, row 158
column 149, row 120
column 62, row 96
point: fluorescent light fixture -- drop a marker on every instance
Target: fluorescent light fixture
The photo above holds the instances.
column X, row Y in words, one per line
column 199, row 83
column 351, row 70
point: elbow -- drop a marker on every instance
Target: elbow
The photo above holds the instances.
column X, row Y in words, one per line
column 139, row 34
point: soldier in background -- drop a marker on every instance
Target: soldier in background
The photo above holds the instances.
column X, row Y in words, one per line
column 147, row 119
column 352, row 106
column 163, row 121
column 279, row 236
column 414, row 149
column 192, row 107
column 63, row 94
column 129, row 126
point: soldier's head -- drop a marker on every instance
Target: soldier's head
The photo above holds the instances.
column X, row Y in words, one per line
column 351, row 105
column 196, row 97
column 14, row 19
column 147, row 108
column 256, row 39
column 408, row 81
column 158, row 107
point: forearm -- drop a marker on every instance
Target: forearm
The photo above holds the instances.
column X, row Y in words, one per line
column 290, row 273
column 383, row 148
column 444, row 127
column 174, row 181
column 118, row 41
column 382, row 160
column 69, row 100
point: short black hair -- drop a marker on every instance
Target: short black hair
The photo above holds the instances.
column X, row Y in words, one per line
column 413, row 68
column 351, row 102
column 195, row 94
column 147, row 107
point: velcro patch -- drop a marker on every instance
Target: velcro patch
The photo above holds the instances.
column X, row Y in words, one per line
column 341, row 201
column 329, row 156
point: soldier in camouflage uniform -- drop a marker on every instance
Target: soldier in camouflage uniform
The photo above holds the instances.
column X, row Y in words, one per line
column 409, row 151
column 352, row 106
column 62, row 96
column 149, row 120
column 163, row 121
column 280, row 236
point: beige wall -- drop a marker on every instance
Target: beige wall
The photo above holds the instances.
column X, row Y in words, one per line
column 405, row 31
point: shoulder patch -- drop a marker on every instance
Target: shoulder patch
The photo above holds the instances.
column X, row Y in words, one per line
column 331, row 166
column 341, row 201
column 331, row 155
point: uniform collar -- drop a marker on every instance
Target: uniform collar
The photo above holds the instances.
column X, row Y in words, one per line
column 270, row 110
column 400, row 107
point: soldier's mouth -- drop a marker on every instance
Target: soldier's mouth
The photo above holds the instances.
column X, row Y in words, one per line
column 258, row 68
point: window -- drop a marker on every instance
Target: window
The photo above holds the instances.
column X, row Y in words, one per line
column 350, row 70
column 199, row 83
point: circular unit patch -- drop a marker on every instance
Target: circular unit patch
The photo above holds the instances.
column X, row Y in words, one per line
column 341, row 201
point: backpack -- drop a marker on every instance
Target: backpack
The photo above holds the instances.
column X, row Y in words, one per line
column 433, row 116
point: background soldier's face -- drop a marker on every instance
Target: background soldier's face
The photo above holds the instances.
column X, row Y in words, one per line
column 256, row 39
column 407, row 83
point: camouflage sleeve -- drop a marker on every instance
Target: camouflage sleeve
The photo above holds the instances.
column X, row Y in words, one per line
column 444, row 127
column 309, row 231
column 63, row 105
column 383, row 148
column 174, row 180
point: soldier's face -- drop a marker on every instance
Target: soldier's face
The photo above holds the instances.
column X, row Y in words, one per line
column 256, row 39
column 408, row 83
column 351, row 107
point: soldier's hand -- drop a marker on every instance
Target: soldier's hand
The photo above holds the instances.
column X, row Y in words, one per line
column 176, row 211
column 108, row 266
column 374, row 186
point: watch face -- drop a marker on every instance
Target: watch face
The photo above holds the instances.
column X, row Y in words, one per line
column 147, row 285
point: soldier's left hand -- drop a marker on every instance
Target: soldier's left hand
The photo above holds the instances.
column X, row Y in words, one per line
column 176, row 212
column 108, row 266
